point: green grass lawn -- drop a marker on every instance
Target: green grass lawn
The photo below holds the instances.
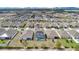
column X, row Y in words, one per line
column 68, row 43
column 3, row 41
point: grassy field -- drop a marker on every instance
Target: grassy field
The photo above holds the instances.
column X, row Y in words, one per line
column 3, row 41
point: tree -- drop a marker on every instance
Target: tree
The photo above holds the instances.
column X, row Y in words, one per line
column 59, row 10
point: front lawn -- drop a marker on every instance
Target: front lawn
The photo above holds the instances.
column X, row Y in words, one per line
column 68, row 43
column 3, row 41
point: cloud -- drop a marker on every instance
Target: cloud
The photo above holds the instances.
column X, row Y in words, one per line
column 39, row 3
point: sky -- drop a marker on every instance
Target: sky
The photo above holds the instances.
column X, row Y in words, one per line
column 39, row 3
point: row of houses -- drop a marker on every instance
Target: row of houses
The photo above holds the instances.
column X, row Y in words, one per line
column 15, row 24
column 38, row 15
column 30, row 35
column 39, row 34
column 48, row 34
column 57, row 25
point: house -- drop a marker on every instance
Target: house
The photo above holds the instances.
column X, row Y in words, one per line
column 8, row 34
column 2, row 33
column 16, row 24
column 4, row 36
column 5, row 24
column 63, row 34
column 73, row 24
column 39, row 35
column 30, row 25
column 11, row 33
column 51, row 34
column 62, row 25
column 74, row 33
column 38, row 25
column 54, row 25
column 47, row 25
column 28, row 35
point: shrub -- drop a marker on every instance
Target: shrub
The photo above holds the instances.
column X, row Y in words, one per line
column 45, row 47
column 29, row 47
column 66, row 47
column 67, row 41
column 10, row 47
column 36, row 47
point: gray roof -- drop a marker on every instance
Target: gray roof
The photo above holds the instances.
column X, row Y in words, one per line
column 74, row 33
column 64, row 34
column 2, row 31
column 27, row 34
column 7, row 23
column 51, row 34
column 10, row 33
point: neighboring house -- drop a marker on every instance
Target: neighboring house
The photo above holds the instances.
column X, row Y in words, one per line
column 11, row 33
column 51, row 34
column 74, row 33
column 28, row 35
column 39, row 35
column 64, row 34
column 8, row 34
column 54, row 25
column 5, row 24
column 38, row 25
column 47, row 25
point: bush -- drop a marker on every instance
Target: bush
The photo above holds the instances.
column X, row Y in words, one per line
column 10, row 47
column 36, row 47
column 29, row 47
column 60, row 48
column 67, row 41
column 14, row 47
column 45, row 47
column 71, row 41
column 66, row 47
